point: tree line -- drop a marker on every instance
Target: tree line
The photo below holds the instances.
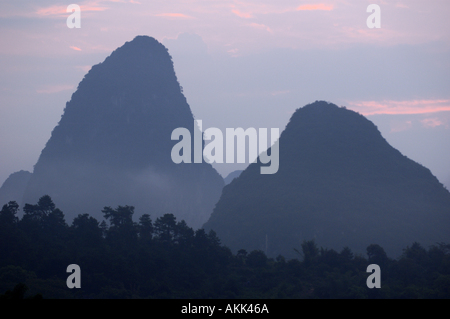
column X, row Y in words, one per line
column 165, row 258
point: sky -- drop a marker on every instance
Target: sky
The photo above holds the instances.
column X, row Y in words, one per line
column 240, row 63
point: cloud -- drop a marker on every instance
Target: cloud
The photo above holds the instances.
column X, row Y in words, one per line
column 242, row 14
column 62, row 10
column 401, row 5
column 49, row 89
column 261, row 27
column 400, row 107
column 53, row 10
column 174, row 15
column 314, row 7
column 233, row 52
column 75, row 48
column 399, row 126
column 432, row 122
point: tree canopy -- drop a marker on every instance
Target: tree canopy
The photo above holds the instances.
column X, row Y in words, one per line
column 164, row 258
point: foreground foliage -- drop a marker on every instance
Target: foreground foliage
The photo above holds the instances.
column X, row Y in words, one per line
column 120, row 258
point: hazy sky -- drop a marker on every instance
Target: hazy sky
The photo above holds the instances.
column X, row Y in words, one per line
column 241, row 64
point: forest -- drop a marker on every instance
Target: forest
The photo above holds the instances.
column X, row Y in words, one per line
column 163, row 258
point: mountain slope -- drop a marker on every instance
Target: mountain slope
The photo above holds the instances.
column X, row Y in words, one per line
column 113, row 143
column 340, row 183
column 231, row 176
column 14, row 187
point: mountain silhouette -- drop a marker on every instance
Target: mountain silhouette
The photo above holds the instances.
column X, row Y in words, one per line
column 231, row 176
column 339, row 183
column 113, row 143
column 447, row 183
column 14, row 187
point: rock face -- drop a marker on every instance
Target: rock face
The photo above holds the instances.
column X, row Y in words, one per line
column 14, row 187
column 113, row 144
column 339, row 183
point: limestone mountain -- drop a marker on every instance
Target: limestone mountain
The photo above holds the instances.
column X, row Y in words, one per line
column 340, row 183
column 14, row 187
column 113, row 143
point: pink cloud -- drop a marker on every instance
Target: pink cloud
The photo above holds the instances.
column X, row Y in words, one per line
column 49, row 89
column 52, row 10
column 313, row 7
column 242, row 14
column 432, row 122
column 62, row 10
column 261, row 27
column 400, row 107
column 250, row 9
column 401, row 5
column 173, row 15
column 75, row 48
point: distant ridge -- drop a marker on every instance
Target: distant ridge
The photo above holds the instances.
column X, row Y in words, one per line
column 339, row 183
column 113, row 143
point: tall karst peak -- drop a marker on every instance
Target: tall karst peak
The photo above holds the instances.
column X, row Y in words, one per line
column 340, row 183
column 113, row 143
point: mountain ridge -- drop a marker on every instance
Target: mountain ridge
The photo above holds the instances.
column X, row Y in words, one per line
column 113, row 143
column 340, row 183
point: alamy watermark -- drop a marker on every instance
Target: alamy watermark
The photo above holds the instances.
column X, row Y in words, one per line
column 74, row 20
column 374, row 20
column 214, row 150
column 74, row 280
column 374, row 280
